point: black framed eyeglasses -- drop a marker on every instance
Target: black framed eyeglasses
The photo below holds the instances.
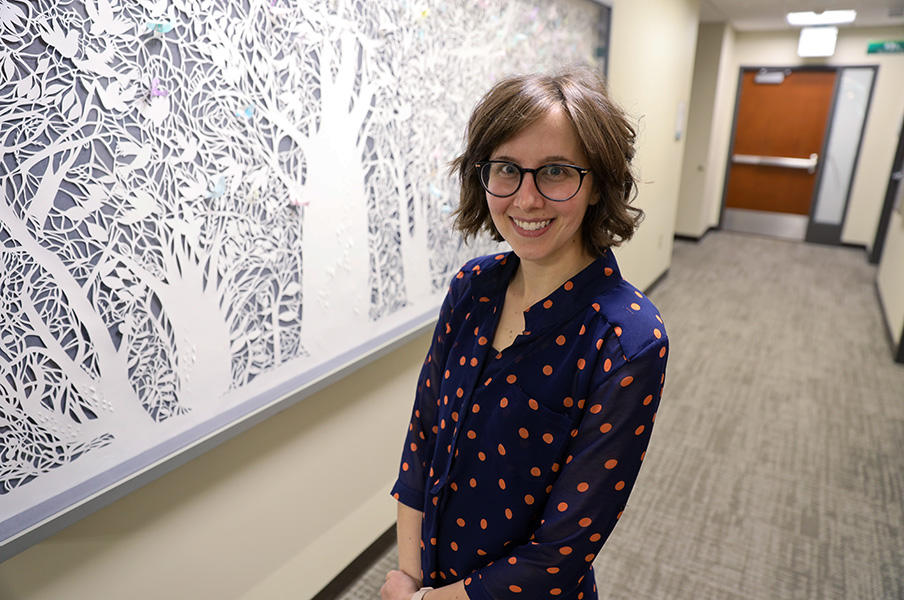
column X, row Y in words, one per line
column 556, row 182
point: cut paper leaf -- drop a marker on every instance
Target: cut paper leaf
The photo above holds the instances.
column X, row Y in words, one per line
column 23, row 87
column 53, row 89
column 11, row 15
column 76, row 111
column 97, row 232
column 9, row 68
column 67, row 101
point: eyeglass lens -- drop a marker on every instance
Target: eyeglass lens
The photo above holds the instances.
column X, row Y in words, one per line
column 556, row 182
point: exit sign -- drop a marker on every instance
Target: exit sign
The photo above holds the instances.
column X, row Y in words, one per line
column 896, row 47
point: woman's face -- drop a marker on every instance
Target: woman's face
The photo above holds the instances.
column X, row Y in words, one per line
column 539, row 230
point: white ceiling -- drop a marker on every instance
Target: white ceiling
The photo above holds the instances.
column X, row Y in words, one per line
column 748, row 15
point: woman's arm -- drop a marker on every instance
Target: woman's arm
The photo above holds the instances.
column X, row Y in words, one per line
column 408, row 532
column 591, row 489
column 454, row 591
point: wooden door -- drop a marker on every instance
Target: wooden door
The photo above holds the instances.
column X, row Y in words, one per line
column 777, row 122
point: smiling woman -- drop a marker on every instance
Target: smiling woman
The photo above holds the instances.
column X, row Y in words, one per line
column 535, row 403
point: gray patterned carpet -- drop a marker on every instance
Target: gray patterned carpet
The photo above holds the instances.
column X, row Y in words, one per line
column 776, row 469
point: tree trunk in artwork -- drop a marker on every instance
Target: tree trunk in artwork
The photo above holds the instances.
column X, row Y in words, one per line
column 335, row 261
column 200, row 329
column 416, row 262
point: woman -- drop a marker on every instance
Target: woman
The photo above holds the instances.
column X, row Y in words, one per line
column 535, row 403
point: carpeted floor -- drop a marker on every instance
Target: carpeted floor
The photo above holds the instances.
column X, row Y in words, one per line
column 776, row 469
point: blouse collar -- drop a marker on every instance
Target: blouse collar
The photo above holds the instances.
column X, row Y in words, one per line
column 579, row 292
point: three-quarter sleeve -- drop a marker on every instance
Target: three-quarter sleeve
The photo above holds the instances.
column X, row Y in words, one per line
column 590, row 493
column 419, row 442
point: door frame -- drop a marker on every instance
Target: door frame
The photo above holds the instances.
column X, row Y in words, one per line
column 817, row 233
column 878, row 246
column 821, row 233
column 897, row 164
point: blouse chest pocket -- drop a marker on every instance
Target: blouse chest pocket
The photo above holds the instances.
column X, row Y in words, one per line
column 517, row 437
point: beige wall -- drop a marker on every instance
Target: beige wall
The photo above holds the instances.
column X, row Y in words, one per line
column 650, row 70
column 278, row 511
column 690, row 219
column 720, row 137
column 779, row 48
column 707, row 140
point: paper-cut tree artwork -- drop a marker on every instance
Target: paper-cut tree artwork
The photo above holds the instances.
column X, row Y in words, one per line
column 202, row 199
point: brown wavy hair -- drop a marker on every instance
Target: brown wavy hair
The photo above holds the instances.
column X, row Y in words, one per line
column 605, row 135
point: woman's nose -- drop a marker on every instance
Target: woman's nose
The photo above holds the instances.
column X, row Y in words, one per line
column 528, row 196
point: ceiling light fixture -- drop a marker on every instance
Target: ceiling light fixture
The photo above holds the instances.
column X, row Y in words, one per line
column 817, row 41
column 826, row 17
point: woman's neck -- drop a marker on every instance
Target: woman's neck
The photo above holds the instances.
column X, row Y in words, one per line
column 534, row 281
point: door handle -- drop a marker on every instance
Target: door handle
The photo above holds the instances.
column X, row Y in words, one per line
column 897, row 175
column 778, row 161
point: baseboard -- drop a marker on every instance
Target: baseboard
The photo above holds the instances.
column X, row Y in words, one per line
column 656, row 282
column 899, row 358
column 691, row 238
column 353, row 572
column 854, row 246
column 688, row 238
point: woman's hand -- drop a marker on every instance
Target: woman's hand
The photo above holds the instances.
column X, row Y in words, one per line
column 399, row 586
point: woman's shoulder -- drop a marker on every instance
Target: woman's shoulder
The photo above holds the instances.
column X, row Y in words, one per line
column 476, row 272
column 480, row 264
column 632, row 317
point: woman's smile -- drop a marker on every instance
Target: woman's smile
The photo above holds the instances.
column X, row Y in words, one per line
column 531, row 227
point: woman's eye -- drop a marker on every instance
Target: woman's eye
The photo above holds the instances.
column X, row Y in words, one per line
column 506, row 169
column 556, row 173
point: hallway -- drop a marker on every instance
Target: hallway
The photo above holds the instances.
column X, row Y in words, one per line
column 776, row 468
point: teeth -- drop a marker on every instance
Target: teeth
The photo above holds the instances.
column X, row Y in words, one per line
column 532, row 225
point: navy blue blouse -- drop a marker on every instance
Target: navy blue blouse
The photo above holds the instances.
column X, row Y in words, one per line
column 522, row 460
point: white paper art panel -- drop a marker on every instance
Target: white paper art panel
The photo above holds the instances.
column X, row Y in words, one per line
column 207, row 204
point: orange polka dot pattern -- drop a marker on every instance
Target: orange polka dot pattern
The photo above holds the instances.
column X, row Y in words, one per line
column 522, row 460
